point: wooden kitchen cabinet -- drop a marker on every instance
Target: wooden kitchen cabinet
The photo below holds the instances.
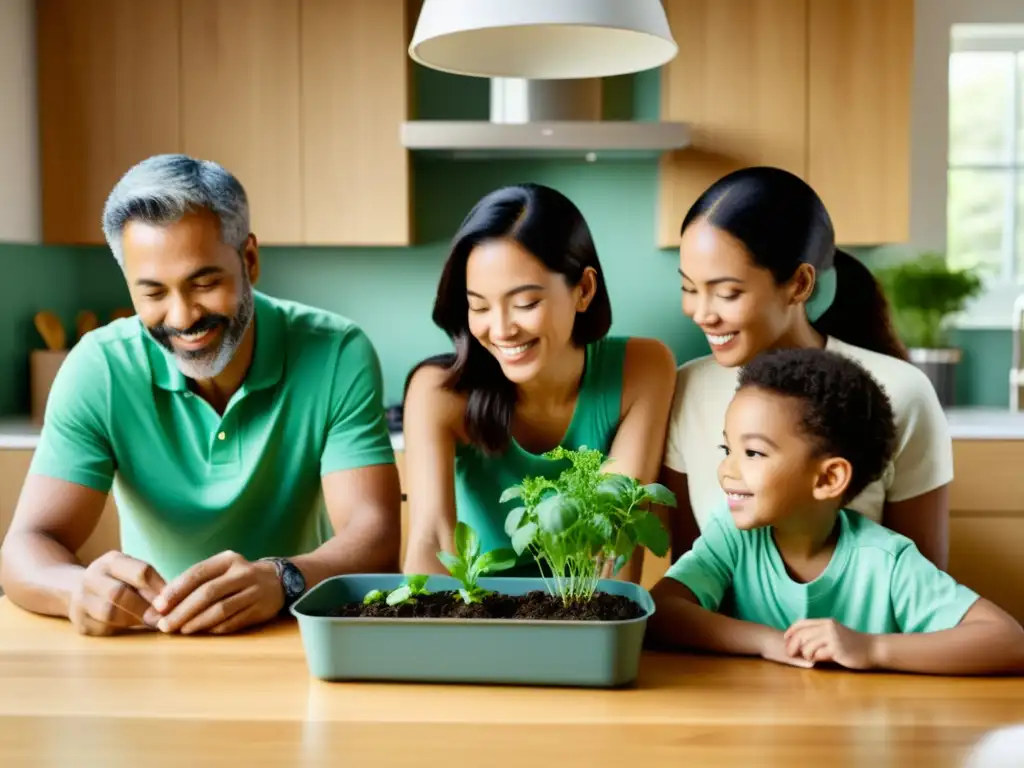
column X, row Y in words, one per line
column 860, row 68
column 108, row 97
column 240, row 103
column 356, row 92
column 14, row 465
column 821, row 88
column 986, row 527
column 740, row 81
column 301, row 99
column 984, row 554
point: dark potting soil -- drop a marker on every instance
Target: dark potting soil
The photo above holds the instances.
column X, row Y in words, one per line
column 533, row 605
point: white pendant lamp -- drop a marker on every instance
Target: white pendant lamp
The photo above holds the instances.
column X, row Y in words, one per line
column 542, row 39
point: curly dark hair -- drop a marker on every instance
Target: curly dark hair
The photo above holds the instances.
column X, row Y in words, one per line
column 846, row 413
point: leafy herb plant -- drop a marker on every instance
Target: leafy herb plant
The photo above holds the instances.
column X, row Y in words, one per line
column 924, row 294
column 468, row 564
column 583, row 520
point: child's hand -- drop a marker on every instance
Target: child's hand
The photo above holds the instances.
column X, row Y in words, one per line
column 828, row 640
column 774, row 649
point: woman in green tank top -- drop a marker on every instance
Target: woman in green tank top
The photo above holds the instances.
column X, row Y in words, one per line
column 523, row 298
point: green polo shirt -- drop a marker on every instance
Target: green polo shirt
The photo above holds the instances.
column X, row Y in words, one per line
column 189, row 482
column 876, row 582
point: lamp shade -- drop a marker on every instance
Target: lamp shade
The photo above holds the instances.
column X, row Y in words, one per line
column 542, row 39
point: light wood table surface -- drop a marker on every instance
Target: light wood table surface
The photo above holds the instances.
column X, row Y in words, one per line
column 248, row 700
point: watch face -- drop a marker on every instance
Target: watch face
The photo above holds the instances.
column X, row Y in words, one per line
column 294, row 584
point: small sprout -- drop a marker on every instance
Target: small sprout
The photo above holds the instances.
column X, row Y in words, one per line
column 407, row 593
column 475, row 595
column 468, row 565
column 374, row 596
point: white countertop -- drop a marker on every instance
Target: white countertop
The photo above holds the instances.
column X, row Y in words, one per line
column 18, row 432
column 964, row 424
column 985, row 424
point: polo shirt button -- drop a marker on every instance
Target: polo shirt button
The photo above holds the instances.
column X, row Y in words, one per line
column 221, row 436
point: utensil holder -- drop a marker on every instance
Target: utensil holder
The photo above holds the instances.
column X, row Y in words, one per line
column 43, row 367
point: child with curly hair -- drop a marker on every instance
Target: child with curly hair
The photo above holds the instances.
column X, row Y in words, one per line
column 785, row 572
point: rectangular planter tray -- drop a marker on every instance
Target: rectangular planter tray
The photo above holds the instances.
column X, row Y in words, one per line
column 507, row 651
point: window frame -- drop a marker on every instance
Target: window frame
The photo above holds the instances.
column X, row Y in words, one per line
column 1008, row 39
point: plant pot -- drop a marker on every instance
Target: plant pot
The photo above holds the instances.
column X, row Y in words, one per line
column 602, row 654
column 939, row 365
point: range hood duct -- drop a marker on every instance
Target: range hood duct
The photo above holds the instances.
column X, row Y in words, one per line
column 545, row 118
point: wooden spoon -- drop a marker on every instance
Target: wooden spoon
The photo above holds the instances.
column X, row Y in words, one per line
column 85, row 322
column 50, row 328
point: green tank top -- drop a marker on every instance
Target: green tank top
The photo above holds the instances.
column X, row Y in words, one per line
column 480, row 479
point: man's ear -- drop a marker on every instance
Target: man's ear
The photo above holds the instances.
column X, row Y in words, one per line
column 251, row 258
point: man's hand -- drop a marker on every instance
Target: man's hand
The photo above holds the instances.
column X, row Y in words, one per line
column 774, row 649
column 222, row 594
column 115, row 594
column 828, row 640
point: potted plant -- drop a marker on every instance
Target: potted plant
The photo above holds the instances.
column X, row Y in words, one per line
column 571, row 625
column 925, row 293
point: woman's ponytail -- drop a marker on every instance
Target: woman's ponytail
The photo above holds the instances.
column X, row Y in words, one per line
column 860, row 313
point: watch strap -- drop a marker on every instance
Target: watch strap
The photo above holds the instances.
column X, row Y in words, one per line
column 293, row 583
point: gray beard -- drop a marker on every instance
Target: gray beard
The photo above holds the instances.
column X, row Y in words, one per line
column 211, row 362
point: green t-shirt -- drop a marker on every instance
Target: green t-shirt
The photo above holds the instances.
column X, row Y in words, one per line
column 480, row 479
column 876, row 582
column 189, row 482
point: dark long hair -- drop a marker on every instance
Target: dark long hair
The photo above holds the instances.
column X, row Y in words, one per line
column 549, row 226
column 783, row 223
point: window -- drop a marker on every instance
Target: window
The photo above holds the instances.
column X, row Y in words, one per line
column 985, row 204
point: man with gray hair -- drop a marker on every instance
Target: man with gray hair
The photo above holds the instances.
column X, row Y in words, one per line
column 244, row 437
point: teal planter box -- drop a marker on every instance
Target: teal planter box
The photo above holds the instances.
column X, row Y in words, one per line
column 602, row 654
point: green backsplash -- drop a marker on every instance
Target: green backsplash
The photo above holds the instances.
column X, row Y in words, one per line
column 390, row 291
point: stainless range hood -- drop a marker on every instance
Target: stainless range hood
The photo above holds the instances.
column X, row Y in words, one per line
column 544, row 118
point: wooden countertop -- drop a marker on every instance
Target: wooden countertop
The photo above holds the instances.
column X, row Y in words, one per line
column 248, row 700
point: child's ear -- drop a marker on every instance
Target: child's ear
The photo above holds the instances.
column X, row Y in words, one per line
column 834, row 475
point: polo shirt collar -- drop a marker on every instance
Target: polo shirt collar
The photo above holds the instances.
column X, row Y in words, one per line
column 268, row 355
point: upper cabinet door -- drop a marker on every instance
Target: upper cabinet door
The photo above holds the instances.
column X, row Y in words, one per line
column 740, row 81
column 108, row 96
column 861, row 64
column 240, row 103
column 20, row 205
column 356, row 85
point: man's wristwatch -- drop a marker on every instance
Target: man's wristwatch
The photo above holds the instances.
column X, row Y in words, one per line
column 292, row 581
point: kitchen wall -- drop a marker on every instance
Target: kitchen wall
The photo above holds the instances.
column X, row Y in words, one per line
column 389, row 291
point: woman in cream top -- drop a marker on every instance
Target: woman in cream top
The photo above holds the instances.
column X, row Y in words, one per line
column 760, row 270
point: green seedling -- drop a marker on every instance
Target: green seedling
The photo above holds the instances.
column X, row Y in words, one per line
column 583, row 520
column 407, row 593
column 467, row 564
